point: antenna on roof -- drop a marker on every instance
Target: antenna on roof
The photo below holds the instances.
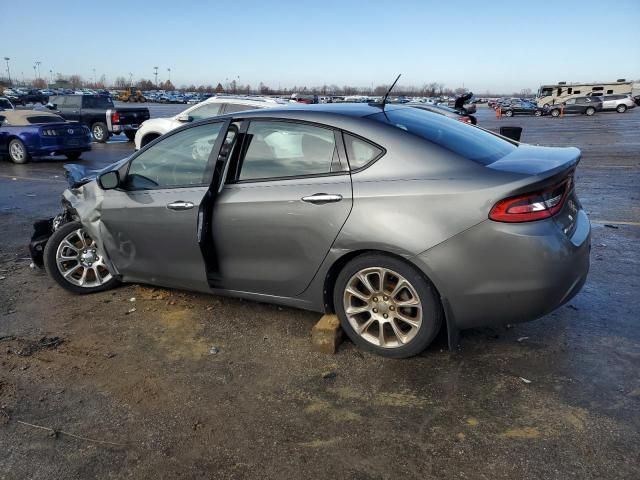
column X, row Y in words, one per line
column 386, row 95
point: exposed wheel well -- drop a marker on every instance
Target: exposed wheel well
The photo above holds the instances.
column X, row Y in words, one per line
column 148, row 138
column 334, row 271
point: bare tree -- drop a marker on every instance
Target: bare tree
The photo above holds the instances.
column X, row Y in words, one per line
column 75, row 81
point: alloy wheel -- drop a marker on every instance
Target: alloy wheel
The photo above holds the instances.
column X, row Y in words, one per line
column 98, row 132
column 383, row 307
column 17, row 151
column 79, row 262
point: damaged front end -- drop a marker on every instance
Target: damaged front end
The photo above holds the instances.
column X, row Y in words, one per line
column 81, row 202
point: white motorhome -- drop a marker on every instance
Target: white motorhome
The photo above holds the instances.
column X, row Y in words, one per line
column 563, row 91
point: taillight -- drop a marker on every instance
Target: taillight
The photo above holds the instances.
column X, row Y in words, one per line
column 115, row 117
column 532, row 206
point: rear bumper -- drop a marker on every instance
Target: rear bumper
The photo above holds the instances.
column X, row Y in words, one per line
column 124, row 128
column 498, row 273
column 46, row 150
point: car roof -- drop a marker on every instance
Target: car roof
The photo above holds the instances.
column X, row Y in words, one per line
column 323, row 110
column 19, row 117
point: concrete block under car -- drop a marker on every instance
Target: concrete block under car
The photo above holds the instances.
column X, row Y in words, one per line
column 326, row 335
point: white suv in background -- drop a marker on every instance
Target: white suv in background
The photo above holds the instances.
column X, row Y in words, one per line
column 155, row 127
column 619, row 103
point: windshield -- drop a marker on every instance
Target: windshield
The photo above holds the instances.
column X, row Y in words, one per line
column 545, row 92
column 465, row 140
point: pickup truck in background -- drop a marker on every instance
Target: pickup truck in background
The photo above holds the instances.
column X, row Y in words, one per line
column 99, row 114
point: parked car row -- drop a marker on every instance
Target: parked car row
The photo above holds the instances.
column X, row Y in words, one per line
column 587, row 105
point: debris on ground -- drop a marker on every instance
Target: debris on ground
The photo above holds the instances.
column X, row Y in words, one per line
column 329, row 374
column 32, row 347
column 525, row 380
column 214, row 350
column 131, row 310
column 608, row 225
column 132, row 299
column 2, row 278
column 32, row 266
column 573, row 307
column 522, row 339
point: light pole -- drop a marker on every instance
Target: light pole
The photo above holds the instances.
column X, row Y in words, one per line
column 156, row 74
column 94, row 76
column 130, row 79
column 169, row 74
column 35, row 74
column 6, row 59
column 38, row 67
column 51, row 74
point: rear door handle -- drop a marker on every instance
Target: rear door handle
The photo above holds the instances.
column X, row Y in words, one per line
column 180, row 205
column 321, row 198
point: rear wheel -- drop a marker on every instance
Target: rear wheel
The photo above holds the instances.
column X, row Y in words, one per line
column 508, row 113
column 100, row 132
column 538, row 113
column 621, row 108
column 71, row 258
column 555, row 112
column 590, row 111
column 18, row 151
column 386, row 306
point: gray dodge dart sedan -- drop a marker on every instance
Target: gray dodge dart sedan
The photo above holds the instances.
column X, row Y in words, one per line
column 399, row 220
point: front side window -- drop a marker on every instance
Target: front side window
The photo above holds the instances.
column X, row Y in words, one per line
column 180, row 160
column 205, row 111
column 286, row 149
column 97, row 102
column 571, row 101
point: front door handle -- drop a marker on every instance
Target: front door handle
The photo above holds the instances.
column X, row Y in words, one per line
column 180, row 205
column 322, row 198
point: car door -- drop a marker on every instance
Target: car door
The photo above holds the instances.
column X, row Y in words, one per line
column 570, row 106
column 151, row 221
column 70, row 109
column 287, row 196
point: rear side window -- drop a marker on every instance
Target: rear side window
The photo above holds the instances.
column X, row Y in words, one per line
column 287, row 149
column 467, row 141
column 360, row 152
column 97, row 102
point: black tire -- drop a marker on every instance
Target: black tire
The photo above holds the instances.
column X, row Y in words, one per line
column 589, row 111
column 621, row 108
column 431, row 308
column 538, row 113
column 555, row 112
column 51, row 266
column 131, row 134
column 18, row 152
column 73, row 156
column 508, row 113
column 100, row 132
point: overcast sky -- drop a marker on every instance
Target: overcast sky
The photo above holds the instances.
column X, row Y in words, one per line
column 501, row 46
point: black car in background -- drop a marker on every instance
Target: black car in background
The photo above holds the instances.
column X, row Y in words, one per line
column 521, row 107
column 578, row 105
column 99, row 114
column 30, row 96
column 637, row 100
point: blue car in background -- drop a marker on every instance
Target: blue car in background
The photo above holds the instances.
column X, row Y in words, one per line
column 28, row 133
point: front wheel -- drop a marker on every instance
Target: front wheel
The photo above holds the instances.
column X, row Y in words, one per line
column 621, row 108
column 18, row 151
column 387, row 306
column 100, row 132
column 538, row 113
column 590, row 111
column 71, row 258
column 555, row 112
column 508, row 113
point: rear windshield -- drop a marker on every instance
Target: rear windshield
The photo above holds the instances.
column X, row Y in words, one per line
column 465, row 140
column 34, row 119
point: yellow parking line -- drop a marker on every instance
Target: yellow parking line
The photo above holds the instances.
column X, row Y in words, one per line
column 11, row 177
column 611, row 222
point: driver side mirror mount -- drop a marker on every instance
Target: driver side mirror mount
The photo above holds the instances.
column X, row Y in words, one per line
column 184, row 118
column 109, row 180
